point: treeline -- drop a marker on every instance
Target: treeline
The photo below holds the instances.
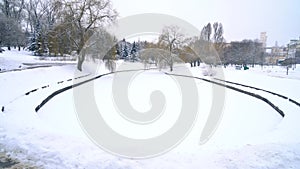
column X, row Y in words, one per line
column 209, row 47
column 52, row 27
column 59, row 27
column 246, row 52
column 171, row 46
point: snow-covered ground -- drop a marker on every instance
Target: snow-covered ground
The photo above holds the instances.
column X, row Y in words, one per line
column 251, row 134
column 19, row 60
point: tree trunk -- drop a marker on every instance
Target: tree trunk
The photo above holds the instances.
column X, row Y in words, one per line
column 79, row 65
column 81, row 58
column 171, row 64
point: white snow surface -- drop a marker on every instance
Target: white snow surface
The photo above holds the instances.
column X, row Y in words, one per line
column 251, row 134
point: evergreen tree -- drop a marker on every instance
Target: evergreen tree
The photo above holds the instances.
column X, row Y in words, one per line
column 38, row 44
column 125, row 51
column 133, row 52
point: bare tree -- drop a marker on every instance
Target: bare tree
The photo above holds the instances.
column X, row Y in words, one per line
column 244, row 52
column 206, row 33
column 205, row 51
column 156, row 56
column 210, row 46
column 218, row 39
column 82, row 17
column 11, row 17
column 171, row 38
column 101, row 46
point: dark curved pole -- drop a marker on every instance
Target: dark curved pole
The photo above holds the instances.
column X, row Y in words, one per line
column 251, row 87
column 76, row 85
column 236, row 89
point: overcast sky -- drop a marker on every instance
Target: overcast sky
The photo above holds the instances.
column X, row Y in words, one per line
column 241, row 19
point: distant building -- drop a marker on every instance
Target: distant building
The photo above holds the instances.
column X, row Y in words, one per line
column 276, row 54
column 293, row 48
column 263, row 39
column 277, row 51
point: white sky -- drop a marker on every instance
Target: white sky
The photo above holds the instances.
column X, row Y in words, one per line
column 241, row 19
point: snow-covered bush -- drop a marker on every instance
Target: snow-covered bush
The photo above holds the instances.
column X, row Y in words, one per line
column 208, row 71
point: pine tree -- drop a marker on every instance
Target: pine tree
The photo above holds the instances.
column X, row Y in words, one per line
column 38, row 44
column 133, row 52
column 125, row 51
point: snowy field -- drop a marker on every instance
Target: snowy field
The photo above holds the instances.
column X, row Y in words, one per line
column 20, row 60
column 251, row 134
